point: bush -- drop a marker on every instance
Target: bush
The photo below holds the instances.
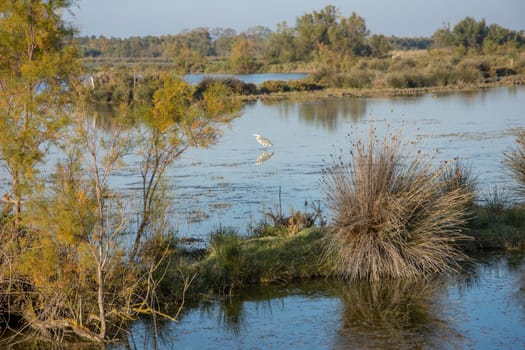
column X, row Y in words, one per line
column 236, row 85
column 393, row 214
column 271, row 86
column 304, row 85
column 408, row 80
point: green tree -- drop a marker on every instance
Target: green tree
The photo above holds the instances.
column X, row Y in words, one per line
column 379, row 45
column 443, row 37
column 280, row 46
column 258, row 35
column 37, row 64
column 242, row 56
column 223, row 40
column 469, row 33
column 186, row 59
column 349, row 36
column 199, row 40
column 181, row 118
column 312, row 29
column 499, row 37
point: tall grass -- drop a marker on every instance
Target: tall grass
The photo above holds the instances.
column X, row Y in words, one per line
column 515, row 163
column 394, row 215
column 225, row 246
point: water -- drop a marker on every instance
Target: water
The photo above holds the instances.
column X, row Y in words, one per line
column 484, row 309
column 247, row 78
column 232, row 183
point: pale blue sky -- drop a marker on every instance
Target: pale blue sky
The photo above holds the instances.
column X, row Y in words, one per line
column 124, row 18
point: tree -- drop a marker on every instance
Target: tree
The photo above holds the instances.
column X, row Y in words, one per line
column 38, row 64
column 312, row 29
column 186, row 59
column 223, row 40
column 379, row 45
column 181, row 117
column 280, row 47
column 242, row 56
column 349, row 36
column 258, row 35
column 469, row 33
column 199, row 40
column 443, row 37
column 498, row 37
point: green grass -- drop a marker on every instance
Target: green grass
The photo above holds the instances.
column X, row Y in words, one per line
column 236, row 262
column 496, row 227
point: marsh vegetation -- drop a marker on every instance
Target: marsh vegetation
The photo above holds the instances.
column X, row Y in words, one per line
column 81, row 257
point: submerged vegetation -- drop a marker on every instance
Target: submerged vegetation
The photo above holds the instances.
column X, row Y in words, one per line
column 80, row 257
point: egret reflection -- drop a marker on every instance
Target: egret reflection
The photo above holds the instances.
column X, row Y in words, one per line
column 263, row 157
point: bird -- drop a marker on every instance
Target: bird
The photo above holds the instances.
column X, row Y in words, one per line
column 263, row 141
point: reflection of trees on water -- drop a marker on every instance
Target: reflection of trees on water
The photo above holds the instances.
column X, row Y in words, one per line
column 392, row 314
column 325, row 113
column 145, row 334
column 231, row 311
column 107, row 117
column 329, row 113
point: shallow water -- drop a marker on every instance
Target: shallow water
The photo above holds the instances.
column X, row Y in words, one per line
column 232, row 183
column 484, row 309
column 247, row 78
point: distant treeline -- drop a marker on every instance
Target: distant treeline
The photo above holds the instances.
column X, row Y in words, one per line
column 314, row 35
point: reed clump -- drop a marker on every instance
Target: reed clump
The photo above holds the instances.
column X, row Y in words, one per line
column 394, row 214
column 515, row 162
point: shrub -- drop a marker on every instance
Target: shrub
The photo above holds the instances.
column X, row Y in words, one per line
column 393, row 215
column 304, row 85
column 236, row 85
column 271, row 86
column 407, row 79
column 356, row 79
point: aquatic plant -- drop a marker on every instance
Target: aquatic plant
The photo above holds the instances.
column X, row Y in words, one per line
column 394, row 215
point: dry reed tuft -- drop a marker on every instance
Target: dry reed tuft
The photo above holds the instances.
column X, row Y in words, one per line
column 394, row 215
column 515, row 163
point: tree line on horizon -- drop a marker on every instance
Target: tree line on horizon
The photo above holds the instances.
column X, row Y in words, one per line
column 314, row 34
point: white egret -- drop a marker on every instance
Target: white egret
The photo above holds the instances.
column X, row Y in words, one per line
column 263, row 141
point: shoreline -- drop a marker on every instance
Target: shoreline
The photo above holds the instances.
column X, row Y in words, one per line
column 509, row 81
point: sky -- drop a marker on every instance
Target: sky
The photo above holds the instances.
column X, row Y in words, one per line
column 412, row 18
